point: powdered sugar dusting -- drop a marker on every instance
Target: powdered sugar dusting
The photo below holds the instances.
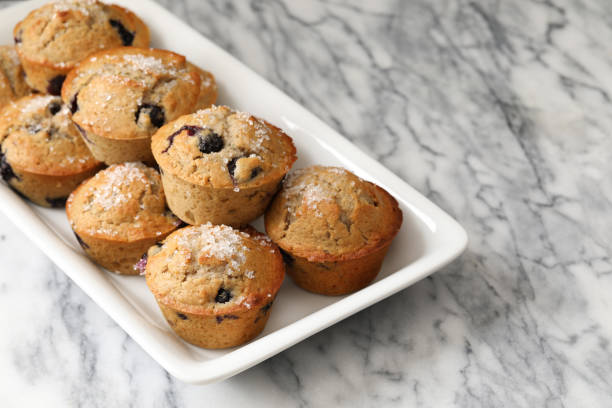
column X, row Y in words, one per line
column 263, row 240
column 311, row 194
column 108, row 194
column 82, row 6
column 219, row 241
column 262, row 132
column 38, row 103
column 148, row 64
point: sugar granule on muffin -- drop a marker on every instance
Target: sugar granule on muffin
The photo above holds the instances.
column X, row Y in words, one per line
column 53, row 39
column 120, row 97
column 118, row 214
column 42, row 155
column 214, row 284
column 221, row 166
column 333, row 227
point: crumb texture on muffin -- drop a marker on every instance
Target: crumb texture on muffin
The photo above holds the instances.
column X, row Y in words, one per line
column 128, row 92
column 212, row 269
column 330, row 214
column 123, row 202
column 12, row 77
column 221, row 148
column 61, row 33
column 208, row 88
column 37, row 135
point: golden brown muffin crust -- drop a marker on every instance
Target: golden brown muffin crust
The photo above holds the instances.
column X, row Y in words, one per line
column 12, row 77
column 128, row 92
column 123, row 202
column 37, row 136
column 330, row 214
column 61, row 33
column 224, row 149
column 208, row 88
column 210, row 269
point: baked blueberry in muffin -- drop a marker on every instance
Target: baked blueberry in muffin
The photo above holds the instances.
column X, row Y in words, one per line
column 120, row 97
column 214, row 284
column 118, row 214
column 42, row 155
column 221, row 166
column 333, row 227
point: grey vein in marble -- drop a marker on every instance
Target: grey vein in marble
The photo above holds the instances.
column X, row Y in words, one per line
column 500, row 112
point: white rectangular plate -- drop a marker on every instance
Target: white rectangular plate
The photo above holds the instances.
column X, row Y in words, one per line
column 428, row 239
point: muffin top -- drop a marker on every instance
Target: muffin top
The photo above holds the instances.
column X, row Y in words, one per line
column 61, row 33
column 37, row 136
column 12, row 77
column 220, row 148
column 124, row 202
column 210, row 269
column 208, row 88
column 330, row 214
column 128, row 92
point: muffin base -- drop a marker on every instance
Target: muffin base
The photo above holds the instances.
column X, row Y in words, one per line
column 44, row 77
column 112, row 151
column 119, row 257
column 335, row 278
column 217, row 331
column 197, row 205
column 46, row 190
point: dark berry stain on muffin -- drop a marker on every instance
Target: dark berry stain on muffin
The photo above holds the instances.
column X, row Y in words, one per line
column 6, row 171
column 83, row 133
column 267, row 307
column 156, row 114
column 231, row 166
column 142, row 263
column 59, row 202
column 74, row 104
column 54, row 107
column 127, row 37
column 55, row 84
column 255, row 172
column 264, row 310
column 226, row 316
column 181, row 316
column 80, row 241
column 210, row 143
column 223, row 296
column 287, row 258
column 18, row 37
column 191, row 131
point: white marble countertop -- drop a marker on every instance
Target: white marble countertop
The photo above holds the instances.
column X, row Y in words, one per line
column 498, row 111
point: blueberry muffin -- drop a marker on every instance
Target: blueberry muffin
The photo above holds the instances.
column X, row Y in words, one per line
column 208, row 88
column 221, row 166
column 42, row 155
column 120, row 97
column 214, row 284
column 12, row 77
column 334, row 228
column 52, row 39
column 118, row 214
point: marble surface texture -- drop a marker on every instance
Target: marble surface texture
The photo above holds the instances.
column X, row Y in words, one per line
column 498, row 111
